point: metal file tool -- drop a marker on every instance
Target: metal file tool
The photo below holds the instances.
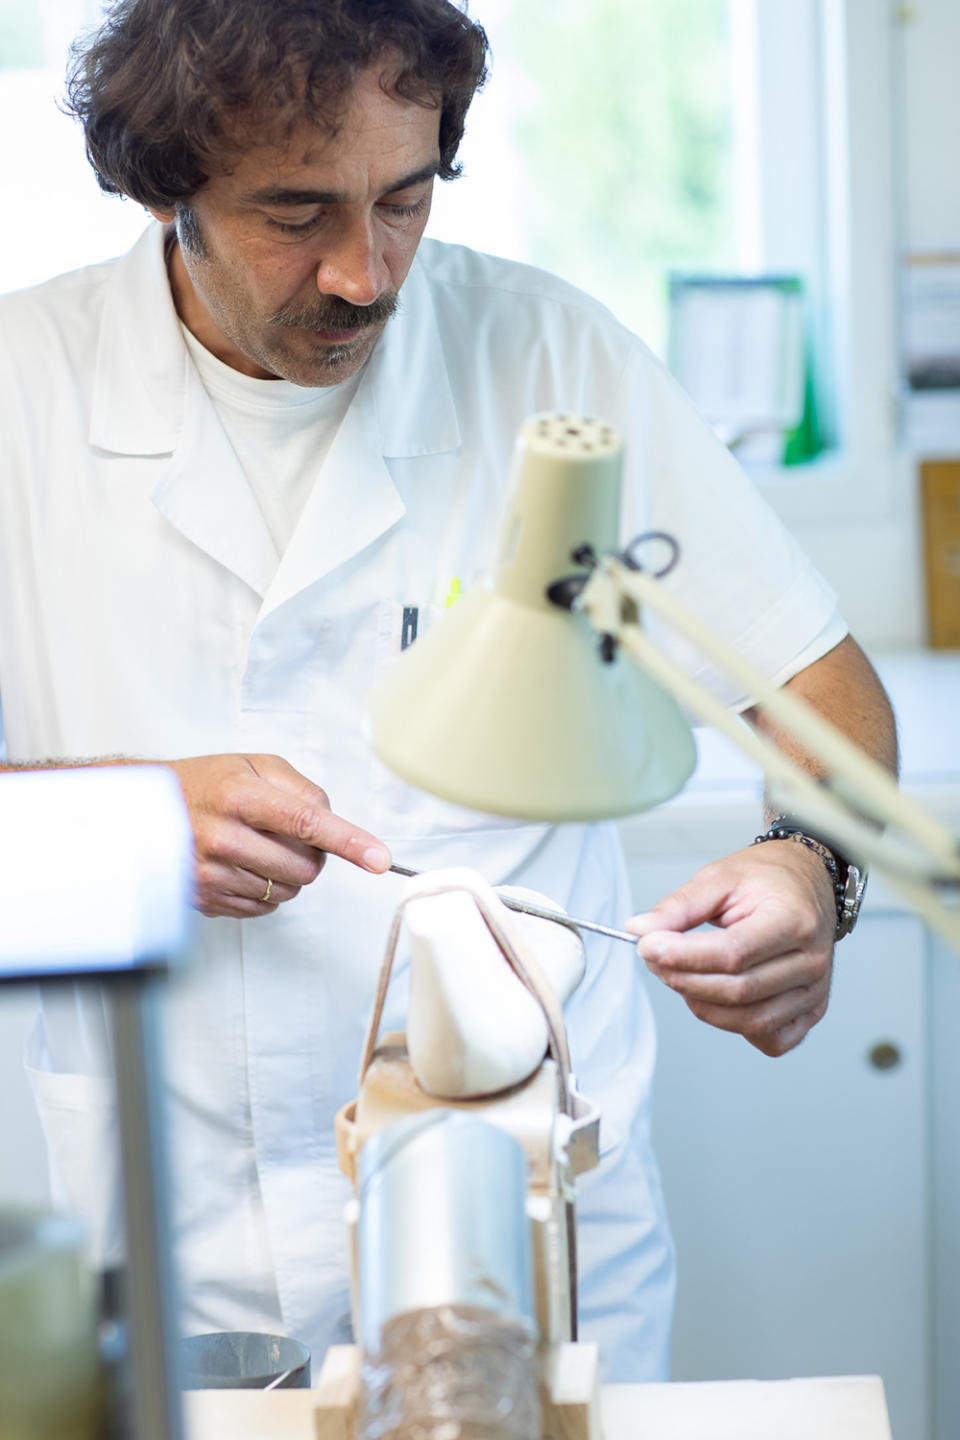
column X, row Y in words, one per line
column 542, row 914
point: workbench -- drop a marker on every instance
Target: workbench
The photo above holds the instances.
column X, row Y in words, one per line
column 838, row 1408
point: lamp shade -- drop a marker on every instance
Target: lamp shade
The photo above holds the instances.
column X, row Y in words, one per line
column 506, row 704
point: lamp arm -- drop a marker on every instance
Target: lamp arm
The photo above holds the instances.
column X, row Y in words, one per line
column 853, row 781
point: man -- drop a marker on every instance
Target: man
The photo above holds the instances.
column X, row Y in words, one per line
column 234, row 461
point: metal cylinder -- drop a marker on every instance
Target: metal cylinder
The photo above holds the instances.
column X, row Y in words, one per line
column 442, row 1221
column 243, row 1360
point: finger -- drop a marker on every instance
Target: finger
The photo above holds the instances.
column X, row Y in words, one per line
column 246, row 885
column 766, row 933
column 761, row 982
column 219, row 883
column 228, row 847
column 235, row 907
column 304, row 817
column 692, row 904
column 764, row 1024
column 790, row 1035
column 281, row 773
column 285, row 861
column 297, row 847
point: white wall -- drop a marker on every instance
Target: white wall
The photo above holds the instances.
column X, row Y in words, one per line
column 873, row 558
column 930, row 124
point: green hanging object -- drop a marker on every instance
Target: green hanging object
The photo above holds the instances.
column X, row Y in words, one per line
column 741, row 347
column 805, row 440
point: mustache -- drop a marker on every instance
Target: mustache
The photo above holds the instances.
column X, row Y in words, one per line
column 335, row 313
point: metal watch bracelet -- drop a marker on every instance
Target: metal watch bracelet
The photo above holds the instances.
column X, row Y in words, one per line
column 848, row 881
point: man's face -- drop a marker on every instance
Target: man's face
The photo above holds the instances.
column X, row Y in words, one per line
column 290, row 266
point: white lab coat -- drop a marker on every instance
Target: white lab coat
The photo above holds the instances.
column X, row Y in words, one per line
column 145, row 612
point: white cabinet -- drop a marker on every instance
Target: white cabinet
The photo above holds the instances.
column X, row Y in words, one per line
column 944, row 1128
column 815, row 1199
column 798, row 1187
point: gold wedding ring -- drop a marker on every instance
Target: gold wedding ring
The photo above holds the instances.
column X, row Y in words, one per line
column 267, row 893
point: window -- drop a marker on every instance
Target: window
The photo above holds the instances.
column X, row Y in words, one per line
column 55, row 216
column 618, row 142
column 605, row 147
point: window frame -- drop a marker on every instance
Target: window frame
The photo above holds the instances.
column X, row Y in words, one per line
column 844, row 126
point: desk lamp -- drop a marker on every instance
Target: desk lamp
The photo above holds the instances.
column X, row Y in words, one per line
column 95, row 881
column 541, row 696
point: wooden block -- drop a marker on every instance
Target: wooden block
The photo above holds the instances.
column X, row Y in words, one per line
column 570, row 1395
column 941, row 524
column 391, row 1091
column 247, row 1414
column 337, row 1393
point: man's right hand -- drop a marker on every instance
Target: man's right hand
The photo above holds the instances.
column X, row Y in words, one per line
column 255, row 819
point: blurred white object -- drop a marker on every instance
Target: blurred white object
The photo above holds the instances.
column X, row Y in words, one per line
column 559, row 949
column 96, row 869
column 473, row 1028
column 96, row 876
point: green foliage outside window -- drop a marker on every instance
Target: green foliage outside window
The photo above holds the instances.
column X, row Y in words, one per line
column 628, row 124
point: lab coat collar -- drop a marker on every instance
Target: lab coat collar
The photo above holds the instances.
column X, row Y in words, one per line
column 149, row 400
column 141, row 381
column 139, row 389
column 403, row 408
column 352, row 503
column 407, row 378
column 207, row 497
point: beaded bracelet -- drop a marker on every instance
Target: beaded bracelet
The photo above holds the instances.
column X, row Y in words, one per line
column 778, row 831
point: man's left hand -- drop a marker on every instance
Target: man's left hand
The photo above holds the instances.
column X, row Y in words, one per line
column 764, row 973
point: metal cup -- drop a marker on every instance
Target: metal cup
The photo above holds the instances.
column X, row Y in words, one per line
column 243, row 1360
column 442, row 1221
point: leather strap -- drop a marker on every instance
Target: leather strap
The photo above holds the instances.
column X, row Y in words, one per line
column 516, row 953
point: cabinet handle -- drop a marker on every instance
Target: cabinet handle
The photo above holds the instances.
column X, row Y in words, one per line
column 885, row 1055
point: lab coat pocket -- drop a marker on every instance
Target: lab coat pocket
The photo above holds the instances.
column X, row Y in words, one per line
column 79, row 1118
column 400, row 808
column 406, row 813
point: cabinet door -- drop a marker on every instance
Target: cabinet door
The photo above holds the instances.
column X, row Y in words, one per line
column 944, row 991
column 797, row 1187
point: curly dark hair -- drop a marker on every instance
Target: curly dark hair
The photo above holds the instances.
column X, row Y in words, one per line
column 170, row 92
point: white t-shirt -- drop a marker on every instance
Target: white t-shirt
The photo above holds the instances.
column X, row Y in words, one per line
column 280, row 433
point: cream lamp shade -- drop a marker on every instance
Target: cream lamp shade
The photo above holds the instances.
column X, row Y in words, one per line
column 507, row 705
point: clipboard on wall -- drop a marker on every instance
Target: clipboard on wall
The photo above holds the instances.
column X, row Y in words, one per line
column 738, row 346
